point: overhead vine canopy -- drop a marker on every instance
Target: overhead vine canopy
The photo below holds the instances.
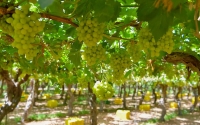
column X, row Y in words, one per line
column 38, row 32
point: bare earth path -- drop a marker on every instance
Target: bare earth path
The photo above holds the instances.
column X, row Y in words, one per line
column 109, row 117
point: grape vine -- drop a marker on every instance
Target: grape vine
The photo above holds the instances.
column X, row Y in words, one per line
column 26, row 26
column 152, row 47
column 4, row 26
column 134, row 50
column 94, row 54
column 90, row 31
column 119, row 62
column 103, row 90
column 83, row 81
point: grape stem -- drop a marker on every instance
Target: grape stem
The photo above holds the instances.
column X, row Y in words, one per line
column 60, row 19
column 7, row 38
column 4, row 11
column 196, row 18
column 130, row 5
column 115, row 38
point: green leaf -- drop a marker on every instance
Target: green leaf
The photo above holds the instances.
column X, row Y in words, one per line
column 75, row 58
column 56, row 8
column 106, row 10
column 181, row 14
column 69, row 66
column 75, row 54
column 128, row 73
column 10, row 50
column 45, row 3
column 178, row 2
column 140, row 1
column 146, row 10
column 76, row 46
column 82, row 7
column 99, row 4
column 122, row 1
column 160, row 24
column 87, row 71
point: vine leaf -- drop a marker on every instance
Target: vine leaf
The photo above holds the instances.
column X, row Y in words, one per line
column 160, row 24
column 178, row 2
column 159, row 19
column 75, row 54
column 146, row 10
column 128, row 73
column 82, row 7
column 45, row 3
column 107, row 10
column 56, row 8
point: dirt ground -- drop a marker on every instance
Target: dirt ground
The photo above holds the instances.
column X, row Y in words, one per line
column 108, row 117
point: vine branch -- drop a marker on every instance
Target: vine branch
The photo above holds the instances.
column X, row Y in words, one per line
column 181, row 57
column 115, row 38
column 129, row 5
column 60, row 19
column 133, row 23
column 5, row 76
column 19, row 72
column 196, row 15
column 24, row 79
column 4, row 11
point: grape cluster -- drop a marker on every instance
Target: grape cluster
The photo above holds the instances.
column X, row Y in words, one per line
column 146, row 39
column 134, row 50
column 4, row 26
column 169, row 70
column 103, row 90
column 83, row 81
column 26, row 25
column 90, row 31
column 119, row 62
column 166, row 42
column 94, row 54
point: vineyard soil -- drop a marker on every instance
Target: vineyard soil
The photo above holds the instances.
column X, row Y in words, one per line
column 108, row 116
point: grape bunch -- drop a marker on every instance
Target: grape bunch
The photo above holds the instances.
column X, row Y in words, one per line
column 146, row 39
column 26, row 26
column 90, row 31
column 83, row 81
column 103, row 90
column 134, row 50
column 166, row 42
column 94, row 54
column 4, row 26
column 169, row 70
column 119, row 62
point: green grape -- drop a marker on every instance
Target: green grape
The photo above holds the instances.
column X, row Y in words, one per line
column 83, row 81
column 118, row 63
column 94, row 54
column 152, row 47
column 90, row 31
column 134, row 50
column 26, row 26
column 103, row 90
column 5, row 26
column 167, row 42
column 169, row 70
